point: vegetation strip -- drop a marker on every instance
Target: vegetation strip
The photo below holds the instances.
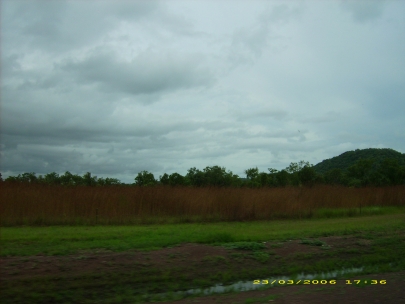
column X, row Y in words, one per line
column 38, row 205
column 366, row 167
column 62, row 240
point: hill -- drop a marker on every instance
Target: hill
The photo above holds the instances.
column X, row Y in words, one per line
column 349, row 158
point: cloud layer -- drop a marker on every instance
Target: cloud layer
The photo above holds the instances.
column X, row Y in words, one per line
column 117, row 87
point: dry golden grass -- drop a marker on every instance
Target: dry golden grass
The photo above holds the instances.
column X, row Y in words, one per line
column 25, row 204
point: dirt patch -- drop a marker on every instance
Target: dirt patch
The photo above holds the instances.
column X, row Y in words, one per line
column 180, row 256
column 183, row 255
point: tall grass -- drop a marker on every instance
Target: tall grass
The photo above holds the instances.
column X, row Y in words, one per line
column 25, row 204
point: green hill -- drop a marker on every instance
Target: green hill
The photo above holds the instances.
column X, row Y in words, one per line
column 349, row 158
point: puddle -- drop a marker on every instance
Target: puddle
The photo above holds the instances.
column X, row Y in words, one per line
column 248, row 285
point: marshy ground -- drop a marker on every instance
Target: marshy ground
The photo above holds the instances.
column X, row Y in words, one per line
column 70, row 268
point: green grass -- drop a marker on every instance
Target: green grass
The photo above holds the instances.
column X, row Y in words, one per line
column 349, row 212
column 216, row 259
column 260, row 256
column 313, row 242
column 245, row 245
column 63, row 240
column 384, row 253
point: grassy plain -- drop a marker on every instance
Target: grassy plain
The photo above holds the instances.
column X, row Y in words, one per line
column 128, row 244
column 121, row 275
column 62, row 240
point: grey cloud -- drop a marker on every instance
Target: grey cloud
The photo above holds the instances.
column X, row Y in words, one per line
column 59, row 26
column 388, row 102
column 10, row 65
column 261, row 114
column 242, row 133
column 249, row 42
column 364, row 10
column 80, row 84
column 146, row 74
column 70, row 127
column 328, row 117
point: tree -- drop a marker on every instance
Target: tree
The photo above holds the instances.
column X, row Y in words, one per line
column 108, row 181
column 252, row 173
column 77, row 180
column 272, row 171
column 282, row 178
column 12, row 179
column 217, row 176
column 359, row 173
column 378, row 179
column 28, row 177
column 296, row 167
column 145, row 178
column 334, row 176
column 176, row 179
column 67, row 178
column 52, row 178
column 164, row 179
column 263, row 179
column 89, row 180
column 236, row 181
column 307, row 175
column 392, row 171
column 195, row 177
column 272, row 178
column 293, row 169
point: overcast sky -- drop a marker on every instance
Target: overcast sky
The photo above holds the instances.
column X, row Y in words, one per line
column 117, row 87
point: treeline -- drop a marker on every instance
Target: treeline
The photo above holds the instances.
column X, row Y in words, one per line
column 67, row 179
column 365, row 172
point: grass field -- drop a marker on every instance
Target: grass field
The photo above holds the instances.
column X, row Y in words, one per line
column 60, row 240
column 181, row 238
column 375, row 243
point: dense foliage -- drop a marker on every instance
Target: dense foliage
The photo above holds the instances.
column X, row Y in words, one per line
column 368, row 167
column 350, row 158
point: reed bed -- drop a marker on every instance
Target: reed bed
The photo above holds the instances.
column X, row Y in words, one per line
column 26, row 204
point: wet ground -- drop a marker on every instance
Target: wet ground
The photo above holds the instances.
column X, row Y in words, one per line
column 195, row 262
column 392, row 292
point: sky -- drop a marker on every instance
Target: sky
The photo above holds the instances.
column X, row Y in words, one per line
column 118, row 87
